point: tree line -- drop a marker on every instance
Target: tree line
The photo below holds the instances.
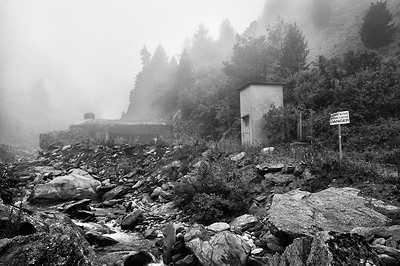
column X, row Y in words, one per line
column 203, row 83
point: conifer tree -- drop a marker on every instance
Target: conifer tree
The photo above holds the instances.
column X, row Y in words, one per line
column 294, row 52
column 377, row 29
column 145, row 56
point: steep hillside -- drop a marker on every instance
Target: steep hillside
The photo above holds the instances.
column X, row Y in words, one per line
column 342, row 33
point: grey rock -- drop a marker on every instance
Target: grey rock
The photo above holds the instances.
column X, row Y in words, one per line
column 392, row 252
column 238, row 157
column 218, row 227
column 74, row 186
column 279, row 178
column 335, row 209
column 222, row 249
column 387, row 260
column 116, row 193
column 130, row 221
column 189, row 260
column 369, row 233
column 81, row 204
column 243, row 222
column 61, row 244
column 141, row 258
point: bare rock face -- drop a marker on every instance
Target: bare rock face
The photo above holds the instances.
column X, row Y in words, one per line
column 221, row 249
column 77, row 185
column 300, row 213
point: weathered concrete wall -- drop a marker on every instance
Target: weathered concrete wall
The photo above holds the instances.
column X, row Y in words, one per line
column 255, row 101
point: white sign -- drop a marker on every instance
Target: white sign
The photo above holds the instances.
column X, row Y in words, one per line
column 340, row 118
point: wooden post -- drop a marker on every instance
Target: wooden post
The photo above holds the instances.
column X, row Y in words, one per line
column 312, row 125
column 340, row 144
column 301, row 126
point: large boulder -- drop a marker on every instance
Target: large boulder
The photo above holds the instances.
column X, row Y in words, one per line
column 221, row 249
column 75, row 186
column 60, row 243
column 301, row 213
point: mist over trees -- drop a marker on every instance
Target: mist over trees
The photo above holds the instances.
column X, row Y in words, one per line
column 321, row 13
column 204, row 85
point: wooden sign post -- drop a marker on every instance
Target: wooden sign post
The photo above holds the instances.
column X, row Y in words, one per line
column 340, row 118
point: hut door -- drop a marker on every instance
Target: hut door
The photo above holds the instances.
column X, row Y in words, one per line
column 246, row 134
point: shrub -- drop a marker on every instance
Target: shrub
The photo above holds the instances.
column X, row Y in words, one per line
column 377, row 29
column 217, row 189
column 281, row 124
column 351, row 171
column 7, row 183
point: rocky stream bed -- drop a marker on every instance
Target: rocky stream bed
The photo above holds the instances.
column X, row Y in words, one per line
column 91, row 204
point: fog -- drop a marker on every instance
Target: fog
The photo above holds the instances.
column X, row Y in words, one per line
column 76, row 56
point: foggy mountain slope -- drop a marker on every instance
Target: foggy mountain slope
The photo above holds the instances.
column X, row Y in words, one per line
column 342, row 32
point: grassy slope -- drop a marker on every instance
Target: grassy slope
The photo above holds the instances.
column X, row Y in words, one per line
column 342, row 34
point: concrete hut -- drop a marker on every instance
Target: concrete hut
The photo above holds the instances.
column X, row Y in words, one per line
column 255, row 101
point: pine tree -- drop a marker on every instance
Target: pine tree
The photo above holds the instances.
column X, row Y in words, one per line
column 202, row 51
column 145, row 56
column 141, row 106
column 294, row 52
column 377, row 29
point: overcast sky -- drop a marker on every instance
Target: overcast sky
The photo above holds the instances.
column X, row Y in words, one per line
column 88, row 50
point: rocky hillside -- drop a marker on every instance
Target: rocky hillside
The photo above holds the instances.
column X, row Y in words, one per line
column 342, row 32
column 90, row 203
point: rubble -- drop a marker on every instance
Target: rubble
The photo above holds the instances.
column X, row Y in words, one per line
column 132, row 201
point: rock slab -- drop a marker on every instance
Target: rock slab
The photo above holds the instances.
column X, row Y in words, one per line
column 301, row 213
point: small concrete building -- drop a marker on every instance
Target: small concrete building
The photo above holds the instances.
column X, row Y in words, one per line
column 255, row 101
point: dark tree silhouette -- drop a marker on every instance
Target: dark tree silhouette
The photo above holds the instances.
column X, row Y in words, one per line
column 294, row 52
column 141, row 97
column 377, row 29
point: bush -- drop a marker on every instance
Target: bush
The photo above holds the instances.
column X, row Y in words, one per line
column 8, row 183
column 281, row 124
column 377, row 29
column 327, row 168
column 383, row 135
column 217, row 189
